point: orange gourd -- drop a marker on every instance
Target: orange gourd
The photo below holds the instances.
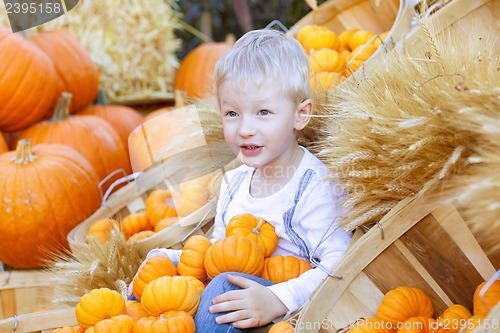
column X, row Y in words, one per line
column 41, row 201
column 326, row 60
column 345, row 36
column 168, row 322
column 134, row 223
column 28, row 81
column 483, row 305
column 135, row 310
column 281, row 327
column 98, row 305
column 319, row 39
column 283, row 268
column 165, row 223
column 170, row 293
column 101, row 229
column 117, row 324
column 256, row 229
column 234, row 254
column 159, row 205
column 195, row 73
column 192, row 260
column 91, row 136
column 403, row 303
column 154, row 268
column 305, row 30
column 72, row 329
column 77, row 72
column 454, row 317
column 141, row 235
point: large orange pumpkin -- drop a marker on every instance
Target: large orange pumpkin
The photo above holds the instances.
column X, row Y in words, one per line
column 45, row 192
column 28, row 82
column 195, row 73
column 3, row 144
column 403, row 303
column 122, row 118
column 234, row 254
column 77, row 72
column 91, row 136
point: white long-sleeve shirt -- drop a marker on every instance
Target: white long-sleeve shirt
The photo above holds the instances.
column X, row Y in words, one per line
column 304, row 214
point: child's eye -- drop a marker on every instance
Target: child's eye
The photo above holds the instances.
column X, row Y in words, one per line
column 231, row 114
column 264, row 112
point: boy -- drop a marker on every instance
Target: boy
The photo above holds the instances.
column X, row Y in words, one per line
column 262, row 92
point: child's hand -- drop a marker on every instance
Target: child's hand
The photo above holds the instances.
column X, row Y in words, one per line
column 252, row 306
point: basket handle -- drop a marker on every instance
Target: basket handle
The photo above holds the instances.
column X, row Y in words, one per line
column 126, row 178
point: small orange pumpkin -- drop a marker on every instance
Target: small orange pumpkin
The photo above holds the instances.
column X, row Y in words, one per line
column 453, row 317
column 362, row 52
column 141, row 235
column 160, row 205
column 192, row 260
column 134, row 223
column 101, row 229
column 319, row 39
column 483, row 305
column 281, row 327
column 135, row 310
column 154, row 268
column 474, row 322
column 168, row 322
column 256, row 229
column 283, row 268
column 234, row 254
column 121, row 323
column 165, row 223
column 403, row 303
column 169, row 293
column 192, row 195
column 305, row 30
column 98, row 305
column 325, row 80
column 345, row 36
column 326, row 60
column 360, row 38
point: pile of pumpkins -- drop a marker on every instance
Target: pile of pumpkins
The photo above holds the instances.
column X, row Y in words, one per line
column 168, row 296
column 163, row 208
column 332, row 57
column 409, row 310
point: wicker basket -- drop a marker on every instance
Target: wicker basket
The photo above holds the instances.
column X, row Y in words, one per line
column 130, row 199
column 24, row 291
column 39, row 322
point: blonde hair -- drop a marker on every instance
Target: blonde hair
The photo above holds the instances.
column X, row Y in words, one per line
column 266, row 58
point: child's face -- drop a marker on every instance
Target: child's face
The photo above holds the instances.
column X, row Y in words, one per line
column 259, row 124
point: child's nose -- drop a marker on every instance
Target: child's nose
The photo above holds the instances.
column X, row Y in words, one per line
column 247, row 128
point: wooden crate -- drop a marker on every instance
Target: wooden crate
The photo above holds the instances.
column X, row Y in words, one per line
column 24, row 291
column 130, row 199
column 424, row 244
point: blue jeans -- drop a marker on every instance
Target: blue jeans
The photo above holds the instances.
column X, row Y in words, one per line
column 204, row 320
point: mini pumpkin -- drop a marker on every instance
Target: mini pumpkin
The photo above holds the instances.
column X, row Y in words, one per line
column 326, row 60
column 474, row 322
column 192, row 260
column 325, row 80
column 134, row 223
column 191, row 196
column 483, row 304
column 170, row 293
column 165, row 223
column 283, row 268
column 256, row 229
column 135, row 310
column 319, row 39
column 154, row 268
column 362, row 52
column 141, row 235
column 453, row 317
column 345, row 36
column 360, row 38
column 160, row 205
column 281, row 327
column 101, row 229
column 305, row 30
column 98, row 305
column 234, row 254
column 121, row 323
column 168, row 322
column 403, row 303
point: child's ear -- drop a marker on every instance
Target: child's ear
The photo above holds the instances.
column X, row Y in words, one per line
column 303, row 114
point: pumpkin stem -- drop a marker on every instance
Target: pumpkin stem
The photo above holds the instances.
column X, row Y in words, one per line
column 256, row 230
column 62, row 108
column 23, row 152
column 101, row 98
